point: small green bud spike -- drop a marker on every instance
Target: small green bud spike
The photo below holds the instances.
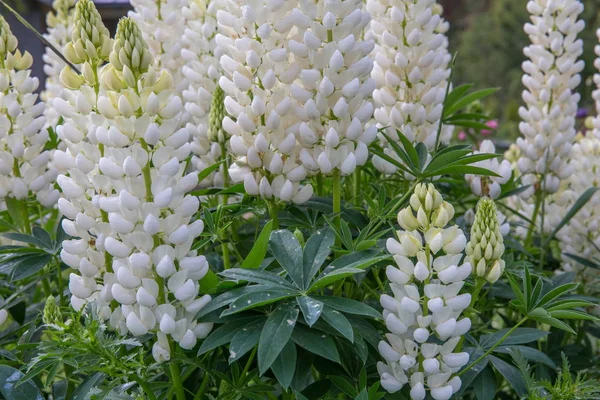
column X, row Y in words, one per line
column 90, row 39
column 130, row 53
column 52, row 315
column 62, row 12
column 215, row 119
column 486, row 247
column 8, row 41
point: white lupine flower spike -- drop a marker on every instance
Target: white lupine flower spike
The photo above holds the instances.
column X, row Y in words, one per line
column 24, row 169
column 552, row 74
column 258, row 72
column 60, row 25
column 134, row 257
column 424, row 314
column 411, row 72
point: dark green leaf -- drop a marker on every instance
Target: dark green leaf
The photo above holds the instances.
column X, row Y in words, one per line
column 511, row 374
column 257, row 299
column 256, row 276
column 340, row 323
column 288, row 252
column 245, row 339
column 311, row 309
column 518, row 336
column 462, row 169
column 583, row 261
column 316, row 251
column 556, row 293
column 349, row 306
column 226, row 298
column 485, row 385
column 84, row 388
column 284, row 365
column 29, row 265
column 327, row 279
column 202, row 175
column 223, row 334
column 316, row 342
column 468, row 99
column 259, row 250
column 529, row 353
column 344, row 385
column 27, row 390
column 275, row 334
column 23, row 238
column 457, row 93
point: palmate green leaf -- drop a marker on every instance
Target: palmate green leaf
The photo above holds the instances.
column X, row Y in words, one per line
column 462, row 170
column 518, row 336
column 256, row 276
column 349, row 306
column 555, row 293
column 484, row 385
column 202, row 175
column 245, row 339
column 462, row 161
column 583, row 261
column 543, row 316
column 567, row 305
column 327, row 278
column 447, row 156
column 572, row 314
column 284, row 365
column 467, row 99
column 423, row 155
column 24, row 238
column 530, row 353
column 344, row 385
column 227, row 297
column 392, row 161
column 29, row 265
column 265, row 296
column 9, row 377
column 274, row 335
column 83, row 390
column 316, row 342
column 316, row 251
column 340, row 323
column 407, row 153
column 224, row 334
column 259, row 250
column 579, row 204
column 311, row 309
column 457, row 93
column 288, row 252
column 512, row 375
column 466, row 123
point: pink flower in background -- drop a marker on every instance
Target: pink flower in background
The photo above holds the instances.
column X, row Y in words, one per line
column 493, row 124
column 462, row 136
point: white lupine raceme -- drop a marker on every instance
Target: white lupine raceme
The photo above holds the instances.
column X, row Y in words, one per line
column 126, row 205
column 489, row 185
column 162, row 25
column 424, row 313
column 202, row 70
column 23, row 161
column 329, row 81
column 550, row 79
column 596, row 93
column 257, row 69
column 411, row 72
column 60, row 24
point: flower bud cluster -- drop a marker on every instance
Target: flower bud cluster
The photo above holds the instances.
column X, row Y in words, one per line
column 24, row 166
column 552, row 74
column 486, row 245
column 424, row 314
column 127, row 204
column 489, row 185
column 411, row 72
column 202, row 70
column 329, row 80
column 162, row 24
column 60, row 24
column 258, row 72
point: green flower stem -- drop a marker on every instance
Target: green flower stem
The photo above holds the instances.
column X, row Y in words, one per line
column 536, row 211
column 176, row 377
column 320, row 191
column 273, row 210
column 203, row 386
column 498, row 343
column 337, row 202
column 357, row 186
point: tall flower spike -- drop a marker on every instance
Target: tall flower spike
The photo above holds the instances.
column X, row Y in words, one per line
column 423, row 316
column 258, row 72
column 596, row 93
column 60, row 24
column 486, row 247
column 411, row 72
column 202, row 70
column 90, row 40
column 147, row 281
column 23, row 162
column 550, row 79
column 330, row 82
column 162, row 25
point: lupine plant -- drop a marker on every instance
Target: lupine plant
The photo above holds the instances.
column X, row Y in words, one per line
column 262, row 200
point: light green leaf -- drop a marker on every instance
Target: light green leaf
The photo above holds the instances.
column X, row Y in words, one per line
column 259, row 250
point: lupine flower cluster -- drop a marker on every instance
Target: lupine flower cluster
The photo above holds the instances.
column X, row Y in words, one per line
column 23, row 161
column 489, row 185
column 424, row 314
column 126, row 198
column 596, row 93
column 411, row 71
column 162, row 25
column 329, row 80
column 258, row 72
column 60, row 24
column 551, row 76
column 202, row 70
column 486, row 245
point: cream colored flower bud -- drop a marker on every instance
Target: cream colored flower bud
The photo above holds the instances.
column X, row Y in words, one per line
column 90, row 40
column 486, row 245
column 130, row 49
column 70, row 79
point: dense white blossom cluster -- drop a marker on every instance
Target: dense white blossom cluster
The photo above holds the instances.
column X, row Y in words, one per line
column 596, row 93
column 550, row 79
column 489, row 185
column 411, row 72
column 23, row 161
column 258, row 72
column 60, row 24
column 125, row 195
column 424, row 314
column 162, row 25
column 330, row 83
column 202, row 70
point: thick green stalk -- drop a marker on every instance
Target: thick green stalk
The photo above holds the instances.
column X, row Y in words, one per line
column 337, row 202
column 273, row 210
column 176, row 379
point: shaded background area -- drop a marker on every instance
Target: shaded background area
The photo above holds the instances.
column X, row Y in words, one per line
column 486, row 35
